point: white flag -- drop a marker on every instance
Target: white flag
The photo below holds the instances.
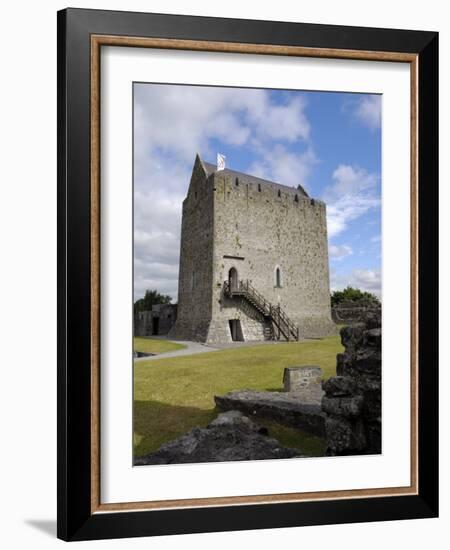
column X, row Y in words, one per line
column 220, row 162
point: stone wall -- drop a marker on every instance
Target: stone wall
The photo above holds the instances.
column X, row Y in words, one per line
column 143, row 323
column 158, row 321
column 350, row 312
column 196, row 259
column 258, row 229
column 301, row 379
column 352, row 400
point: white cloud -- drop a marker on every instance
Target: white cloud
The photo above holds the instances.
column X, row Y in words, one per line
column 367, row 280
column 183, row 119
column 353, row 193
column 367, row 110
column 283, row 122
column 173, row 123
column 338, row 252
column 158, row 194
column 284, row 166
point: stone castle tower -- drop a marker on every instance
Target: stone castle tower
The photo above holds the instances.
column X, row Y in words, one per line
column 253, row 261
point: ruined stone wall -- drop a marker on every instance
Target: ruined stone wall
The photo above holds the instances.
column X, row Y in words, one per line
column 196, row 259
column 256, row 230
column 144, row 320
column 349, row 312
column 352, row 400
column 167, row 315
column 143, row 323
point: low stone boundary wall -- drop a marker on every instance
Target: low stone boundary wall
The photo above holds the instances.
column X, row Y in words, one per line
column 285, row 408
column 349, row 313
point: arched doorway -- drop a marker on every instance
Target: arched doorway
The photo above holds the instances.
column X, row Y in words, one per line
column 233, row 279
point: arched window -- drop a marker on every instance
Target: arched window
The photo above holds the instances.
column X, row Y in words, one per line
column 236, row 182
column 279, row 193
column 259, row 187
column 296, row 198
column 278, row 277
column 233, row 279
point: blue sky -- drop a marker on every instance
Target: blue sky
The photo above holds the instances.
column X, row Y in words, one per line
column 328, row 142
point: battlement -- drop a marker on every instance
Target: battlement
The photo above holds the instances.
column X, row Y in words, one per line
column 232, row 184
column 240, row 178
column 228, row 186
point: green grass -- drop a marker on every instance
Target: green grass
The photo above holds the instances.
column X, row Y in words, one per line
column 155, row 345
column 308, row 444
column 173, row 395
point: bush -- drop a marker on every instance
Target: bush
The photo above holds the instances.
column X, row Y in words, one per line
column 354, row 295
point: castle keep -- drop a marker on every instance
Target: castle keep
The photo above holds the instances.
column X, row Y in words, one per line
column 253, row 261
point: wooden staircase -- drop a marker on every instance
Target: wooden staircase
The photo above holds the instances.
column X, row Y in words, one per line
column 279, row 326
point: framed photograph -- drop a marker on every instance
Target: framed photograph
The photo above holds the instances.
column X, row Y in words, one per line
column 247, row 252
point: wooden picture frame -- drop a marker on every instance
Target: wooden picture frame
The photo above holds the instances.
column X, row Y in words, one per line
column 81, row 35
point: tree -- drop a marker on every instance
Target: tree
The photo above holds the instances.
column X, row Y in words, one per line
column 151, row 298
column 354, row 295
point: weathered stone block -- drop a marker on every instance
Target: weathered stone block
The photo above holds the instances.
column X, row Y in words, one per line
column 286, row 408
column 231, row 436
column 343, row 406
column 352, row 336
column 339, row 386
column 300, row 378
column 372, row 338
column 344, row 436
column 368, row 361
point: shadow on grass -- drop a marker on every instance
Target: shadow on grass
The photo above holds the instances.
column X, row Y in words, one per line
column 157, row 423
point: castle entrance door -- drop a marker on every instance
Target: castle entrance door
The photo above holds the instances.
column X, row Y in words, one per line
column 236, row 330
column 233, row 279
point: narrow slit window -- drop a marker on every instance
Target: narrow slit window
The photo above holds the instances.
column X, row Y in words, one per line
column 278, row 277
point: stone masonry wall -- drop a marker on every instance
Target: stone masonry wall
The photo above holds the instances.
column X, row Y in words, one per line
column 143, row 323
column 256, row 232
column 352, row 400
column 196, row 258
column 349, row 312
column 166, row 315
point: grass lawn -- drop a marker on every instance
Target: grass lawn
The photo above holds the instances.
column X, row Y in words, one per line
column 173, row 395
column 155, row 345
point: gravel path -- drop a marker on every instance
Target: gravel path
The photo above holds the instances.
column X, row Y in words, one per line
column 191, row 348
